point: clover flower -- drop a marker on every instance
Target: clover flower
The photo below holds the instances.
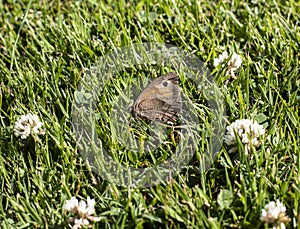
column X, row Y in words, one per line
column 28, row 124
column 233, row 64
column 247, row 130
column 220, row 59
column 71, row 205
column 84, row 212
column 274, row 213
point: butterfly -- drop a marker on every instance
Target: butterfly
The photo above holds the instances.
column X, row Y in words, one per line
column 160, row 100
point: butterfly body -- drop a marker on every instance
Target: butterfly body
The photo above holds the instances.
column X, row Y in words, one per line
column 160, row 100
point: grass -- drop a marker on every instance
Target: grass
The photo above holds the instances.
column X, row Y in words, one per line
column 45, row 49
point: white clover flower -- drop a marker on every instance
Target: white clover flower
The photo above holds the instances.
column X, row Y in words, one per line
column 71, row 205
column 247, row 130
column 233, row 64
column 272, row 210
column 28, row 124
column 78, row 223
column 274, row 213
column 82, row 208
column 84, row 211
column 90, row 206
column 220, row 59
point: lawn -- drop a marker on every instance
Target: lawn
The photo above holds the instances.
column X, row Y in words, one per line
column 49, row 50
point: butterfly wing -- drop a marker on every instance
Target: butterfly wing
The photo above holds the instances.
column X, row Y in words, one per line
column 160, row 100
column 160, row 110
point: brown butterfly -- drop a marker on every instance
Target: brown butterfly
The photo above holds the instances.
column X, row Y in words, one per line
column 160, row 100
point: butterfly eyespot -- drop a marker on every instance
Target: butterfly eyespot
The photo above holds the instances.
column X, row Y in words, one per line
column 165, row 84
